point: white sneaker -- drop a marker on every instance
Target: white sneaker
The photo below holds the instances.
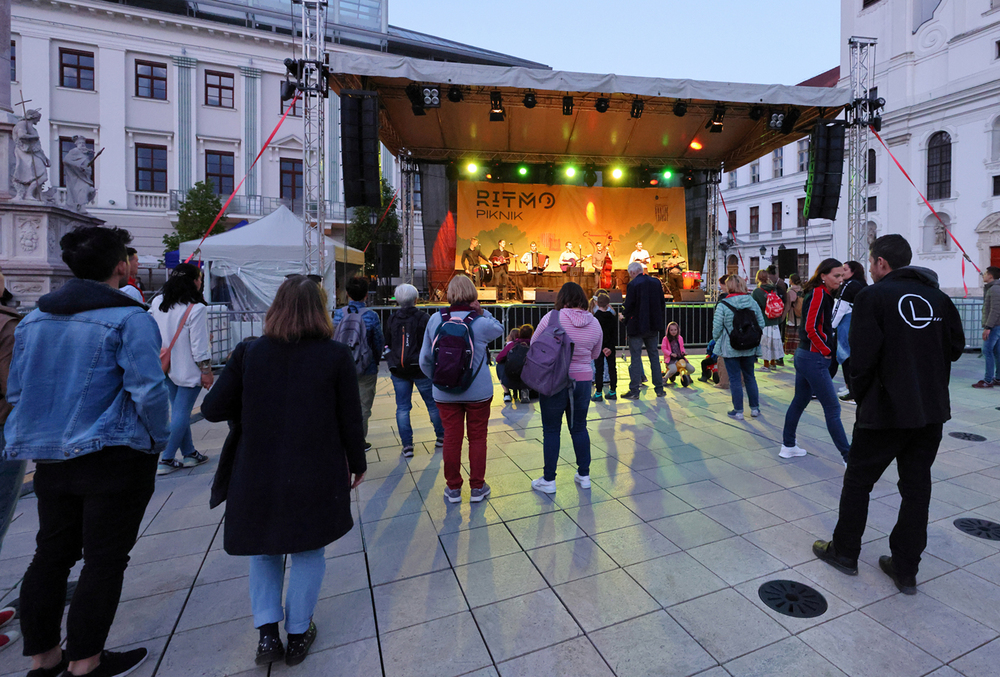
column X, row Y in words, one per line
column 582, row 480
column 506, row 397
column 791, row 452
column 843, row 391
column 543, row 486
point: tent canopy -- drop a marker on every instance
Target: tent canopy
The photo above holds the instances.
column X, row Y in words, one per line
column 544, row 133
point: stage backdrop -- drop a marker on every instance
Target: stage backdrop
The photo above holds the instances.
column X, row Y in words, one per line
column 552, row 215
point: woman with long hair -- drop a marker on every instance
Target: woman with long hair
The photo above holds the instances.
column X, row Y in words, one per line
column 585, row 333
column 181, row 314
column 812, row 360
column 300, row 452
column 739, row 362
column 854, row 281
column 770, row 343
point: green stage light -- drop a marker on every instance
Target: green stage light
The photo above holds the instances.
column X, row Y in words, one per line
column 616, row 173
column 472, row 168
column 523, row 171
column 667, row 173
column 570, row 172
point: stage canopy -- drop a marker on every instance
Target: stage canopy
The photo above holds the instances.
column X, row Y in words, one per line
column 463, row 130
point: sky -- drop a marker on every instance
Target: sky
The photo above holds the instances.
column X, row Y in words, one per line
column 753, row 41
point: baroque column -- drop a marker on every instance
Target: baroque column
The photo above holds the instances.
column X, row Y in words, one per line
column 186, row 70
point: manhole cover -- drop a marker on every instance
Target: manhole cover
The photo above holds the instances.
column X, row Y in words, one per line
column 792, row 599
column 968, row 437
column 979, row 528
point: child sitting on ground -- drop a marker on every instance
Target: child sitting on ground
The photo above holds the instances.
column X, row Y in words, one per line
column 510, row 361
column 608, row 320
column 674, row 357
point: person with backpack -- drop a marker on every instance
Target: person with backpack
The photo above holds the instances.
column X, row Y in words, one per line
column 817, row 348
column 854, row 281
column 360, row 330
column 569, row 330
column 772, row 307
column 605, row 316
column 793, row 314
column 510, row 363
column 454, row 356
column 781, row 288
column 404, row 336
column 737, row 331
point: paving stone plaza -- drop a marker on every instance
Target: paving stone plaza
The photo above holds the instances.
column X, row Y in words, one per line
column 653, row 571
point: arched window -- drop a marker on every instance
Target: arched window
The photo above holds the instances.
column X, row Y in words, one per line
column 995, row 155
column 939, row 167
column 732, row 267
column 872, row 175
column 935, row 236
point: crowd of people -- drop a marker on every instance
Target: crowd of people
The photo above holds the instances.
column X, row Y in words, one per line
column 100, row 389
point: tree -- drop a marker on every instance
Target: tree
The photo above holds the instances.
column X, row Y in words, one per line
column 195, row 215
column 362, row 230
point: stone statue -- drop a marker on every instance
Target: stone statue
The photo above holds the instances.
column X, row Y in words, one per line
column 31, row 169
column 940, row 235
column 77, row 171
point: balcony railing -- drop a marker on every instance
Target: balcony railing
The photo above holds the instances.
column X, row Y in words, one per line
column 259, row 205
column 151, row 202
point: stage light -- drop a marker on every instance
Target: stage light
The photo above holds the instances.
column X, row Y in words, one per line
column 294, row 68
column 667, row 174
column 877, row 123
column 680, row 109
column 432, row 96
column 416, row 97
column 496, row 172
column 455, row 94
column 688, row 179
column 287, row 90
column 550, row 174
column 571, row 172
column 642, row 177
column 496, row 107
column 776, row 120
column 471, row 168
column 696, row 145
column 714, row 125
column 529, row 99
column 602, row 105
column 637, row 106
column 590, row 176
column 756, row 113
column 567, row 105
column 522, row 170
column 791, row 117
column 617, row 173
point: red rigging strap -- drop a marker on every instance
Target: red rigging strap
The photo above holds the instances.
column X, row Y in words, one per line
column 240, row 184
column 733, row 231
column 965, row 255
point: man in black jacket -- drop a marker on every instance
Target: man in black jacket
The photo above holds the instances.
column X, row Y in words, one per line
column 643, row 316
column 904, row 335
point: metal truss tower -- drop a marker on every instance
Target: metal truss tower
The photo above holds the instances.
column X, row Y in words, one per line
column 313, row 91
column 408, row 174
column 861, row 114
column 713, row 179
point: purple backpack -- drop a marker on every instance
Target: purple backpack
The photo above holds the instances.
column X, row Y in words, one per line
column 454, row 352
column 546, row 366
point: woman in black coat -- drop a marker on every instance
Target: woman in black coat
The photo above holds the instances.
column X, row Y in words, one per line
column 295, row 393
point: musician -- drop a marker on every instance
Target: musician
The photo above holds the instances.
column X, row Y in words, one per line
column 470, row 260
column 640, row 255
column 533, row 261
column 500, row 258
column 602, row 264
column 568, row 258
column 675, row 265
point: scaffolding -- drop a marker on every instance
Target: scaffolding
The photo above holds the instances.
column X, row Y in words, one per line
column 408, row 173
column 861, row 114
column 312, row 86
column 713, row 179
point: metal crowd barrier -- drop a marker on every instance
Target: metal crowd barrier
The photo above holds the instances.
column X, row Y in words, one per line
column 971, row 311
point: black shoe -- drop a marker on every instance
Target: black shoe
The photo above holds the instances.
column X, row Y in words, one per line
column 59, row 668
column 269, row 650
column 826, row 552
column 368, row 446
column 298, row 645
column 906, row 584
column 631, row 395
column 115, row 664
column 660, row 392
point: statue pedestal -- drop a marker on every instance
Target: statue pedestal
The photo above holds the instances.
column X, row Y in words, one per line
column 30, row 257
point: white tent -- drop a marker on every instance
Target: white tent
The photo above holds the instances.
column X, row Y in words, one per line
column 255, row 259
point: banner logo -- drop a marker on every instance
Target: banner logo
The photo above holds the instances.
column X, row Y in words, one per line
column 507, row 205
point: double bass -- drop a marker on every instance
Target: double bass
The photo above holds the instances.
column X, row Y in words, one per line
column 607, row 268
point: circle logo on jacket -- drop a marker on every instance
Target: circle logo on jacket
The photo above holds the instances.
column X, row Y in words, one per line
column 916, row 311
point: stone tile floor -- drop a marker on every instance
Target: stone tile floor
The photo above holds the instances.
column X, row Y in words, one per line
column 654, row 571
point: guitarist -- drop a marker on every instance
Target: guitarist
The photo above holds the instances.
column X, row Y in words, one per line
column 500, row 258
column 470, row 260
column 640, row 255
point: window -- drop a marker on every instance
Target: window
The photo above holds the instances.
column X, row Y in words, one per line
column 803, row 153
column 939, row 167
column 151, row 80
column 291, row 179
column 804, row 271
column 998, row 47
column 755, row 171
column 995, row 155
column 776, row 216
column 778, row 163
column 293, row 109
column 754, row 266
column 867, row 3
column 755, row 219
column 418, row 198
column 732, row 265
column 732, row 220
column 150, row 168
column 801, row 221
column 872, row 167
column 66, row 145
column 873, row 204
column 219, row 171
column 13, row 61
column 219, row 89
column 732, row 180
column 996, row 186
column 76, row 69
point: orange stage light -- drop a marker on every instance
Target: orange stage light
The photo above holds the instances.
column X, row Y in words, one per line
column 696, row 145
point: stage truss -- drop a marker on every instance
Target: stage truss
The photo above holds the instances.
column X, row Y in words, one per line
column 313, row 88
column 859, row 119
column 710, row 275
column 408, row 173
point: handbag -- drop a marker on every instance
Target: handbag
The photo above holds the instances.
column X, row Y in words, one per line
column 165, row 352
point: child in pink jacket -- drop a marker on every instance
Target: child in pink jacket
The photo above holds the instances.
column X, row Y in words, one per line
column 674, row 357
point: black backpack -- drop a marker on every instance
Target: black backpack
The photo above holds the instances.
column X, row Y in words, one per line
column 407, row 339
column 514, row 365
column 746, row 333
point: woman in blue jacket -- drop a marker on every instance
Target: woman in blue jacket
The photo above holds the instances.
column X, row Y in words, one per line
column 739, row 363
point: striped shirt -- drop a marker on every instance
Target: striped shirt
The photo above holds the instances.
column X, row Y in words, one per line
column 586, row 335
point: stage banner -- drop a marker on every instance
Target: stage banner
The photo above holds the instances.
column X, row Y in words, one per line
column 551, row 216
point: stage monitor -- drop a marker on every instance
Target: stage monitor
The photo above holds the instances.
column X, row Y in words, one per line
column 826, row 171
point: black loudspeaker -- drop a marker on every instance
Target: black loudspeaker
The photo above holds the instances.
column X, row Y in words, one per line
column 360, row 149
column 788, row 262
column 387, row 260
column 826, row 171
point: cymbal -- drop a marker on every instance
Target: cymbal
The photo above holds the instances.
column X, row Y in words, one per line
column 663, row 253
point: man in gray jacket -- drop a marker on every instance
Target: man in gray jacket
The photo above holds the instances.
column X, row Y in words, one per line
column 991, row 328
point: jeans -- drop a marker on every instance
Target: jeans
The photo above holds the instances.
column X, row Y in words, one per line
column 553, row 407
column 267, row 577
column 914, row 451
column 991, row 354
column 812, row 376
column 456, row 416
column 90, row 506
column 612, row 370
column 404, row 403
column 366, row 386
column 652, row 346
column 735, row 367
column 181, row 403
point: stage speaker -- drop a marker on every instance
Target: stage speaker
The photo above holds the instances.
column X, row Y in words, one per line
column 616, row 296
column 387, row 259
column 546, row 295
column 488, row 294
column 528, row 294
column 788, row 262
column 692, row 296
column 826, row 170
column 360, row 149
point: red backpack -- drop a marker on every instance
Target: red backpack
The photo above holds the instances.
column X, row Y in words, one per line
column 774, row 306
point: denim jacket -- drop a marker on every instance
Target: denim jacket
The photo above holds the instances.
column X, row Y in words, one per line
column 85, row 375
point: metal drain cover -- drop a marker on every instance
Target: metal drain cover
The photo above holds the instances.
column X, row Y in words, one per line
column 968, row 437
column 979, row 528
column 793, row 599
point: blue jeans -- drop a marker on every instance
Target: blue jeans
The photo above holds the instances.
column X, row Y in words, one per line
column 812, row 376
column 991, row 353
column 181, row 403
column 553, row 407
column 742, row 365
column 267, row 575
column 635, row 346
column 404, row 403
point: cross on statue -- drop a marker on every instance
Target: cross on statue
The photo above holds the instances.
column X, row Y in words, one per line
column 24, row 111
